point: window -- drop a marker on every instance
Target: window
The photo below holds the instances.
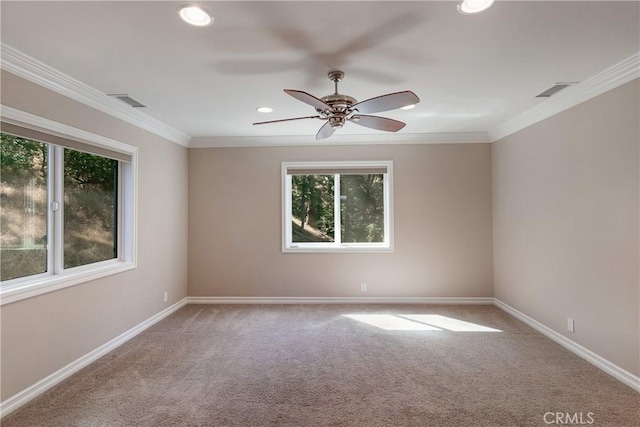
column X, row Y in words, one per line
column 67, row 209
column 337, row 206
column 23, row 219
column 90, row 208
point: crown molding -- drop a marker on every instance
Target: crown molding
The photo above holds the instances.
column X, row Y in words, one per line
column 309, row 140
column 37, row 72
column 612, row 77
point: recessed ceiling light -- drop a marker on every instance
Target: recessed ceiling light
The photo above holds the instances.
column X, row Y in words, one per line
column 474, row 6
column 195, row 15
column 264, row 110
column 408, row 107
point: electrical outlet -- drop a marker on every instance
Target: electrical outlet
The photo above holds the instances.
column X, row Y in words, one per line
column 166, row 296
column 363, row 287
column 570, row 325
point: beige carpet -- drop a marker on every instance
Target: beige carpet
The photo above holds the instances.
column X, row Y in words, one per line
column 310, row 365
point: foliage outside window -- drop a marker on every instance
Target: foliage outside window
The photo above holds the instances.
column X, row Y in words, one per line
column 337, row 206
column 90, row 208
column 23, row 197
column 66, row 213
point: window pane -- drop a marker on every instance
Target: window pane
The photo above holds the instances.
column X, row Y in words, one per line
column 23, row 213
column 362, row 208
column 90, row 208
column 312, row 211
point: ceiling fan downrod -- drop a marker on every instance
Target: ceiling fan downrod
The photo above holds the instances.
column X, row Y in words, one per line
column 335, row 77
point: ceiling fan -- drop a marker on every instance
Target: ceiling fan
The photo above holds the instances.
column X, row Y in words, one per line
column 337, row 109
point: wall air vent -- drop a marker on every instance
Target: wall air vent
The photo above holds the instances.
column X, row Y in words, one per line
column 555, row 89
column 127, row 100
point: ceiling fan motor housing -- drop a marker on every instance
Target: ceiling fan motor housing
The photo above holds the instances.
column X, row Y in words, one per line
column 338, row 103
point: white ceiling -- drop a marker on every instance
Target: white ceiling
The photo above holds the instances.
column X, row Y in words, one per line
column 472, row 72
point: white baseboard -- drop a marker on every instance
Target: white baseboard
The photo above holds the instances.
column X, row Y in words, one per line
column 19, row 399
column 615, row 371
column 342, row 300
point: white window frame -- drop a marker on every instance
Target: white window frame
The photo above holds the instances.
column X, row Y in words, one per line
column 305, row 247
column 56, row 276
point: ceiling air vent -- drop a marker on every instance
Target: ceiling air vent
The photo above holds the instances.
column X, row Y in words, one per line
column 127, row 100
column 555, row 89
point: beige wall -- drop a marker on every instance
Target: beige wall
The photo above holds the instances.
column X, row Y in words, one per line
column 442, row 221
column 566, row 223
column 43, row 334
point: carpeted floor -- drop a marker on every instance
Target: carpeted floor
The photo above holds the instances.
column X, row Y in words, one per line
column 336, row 365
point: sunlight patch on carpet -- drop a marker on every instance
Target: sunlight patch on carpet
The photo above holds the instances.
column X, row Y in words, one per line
column 418, row 322
column 390, row 322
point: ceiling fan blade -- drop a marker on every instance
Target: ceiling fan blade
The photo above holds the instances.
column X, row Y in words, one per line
column 308, row 99
column 287, row 120
column 379, row 123
column 387, row 102
column 325, row 131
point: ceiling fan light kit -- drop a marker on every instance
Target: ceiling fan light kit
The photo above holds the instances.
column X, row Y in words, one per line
column 337, row 109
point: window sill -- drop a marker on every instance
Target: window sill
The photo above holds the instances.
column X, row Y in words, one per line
column 42, row 285
column 336, row 249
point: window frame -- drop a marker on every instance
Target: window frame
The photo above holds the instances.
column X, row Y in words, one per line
column 335, row 247
column 56, row 277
